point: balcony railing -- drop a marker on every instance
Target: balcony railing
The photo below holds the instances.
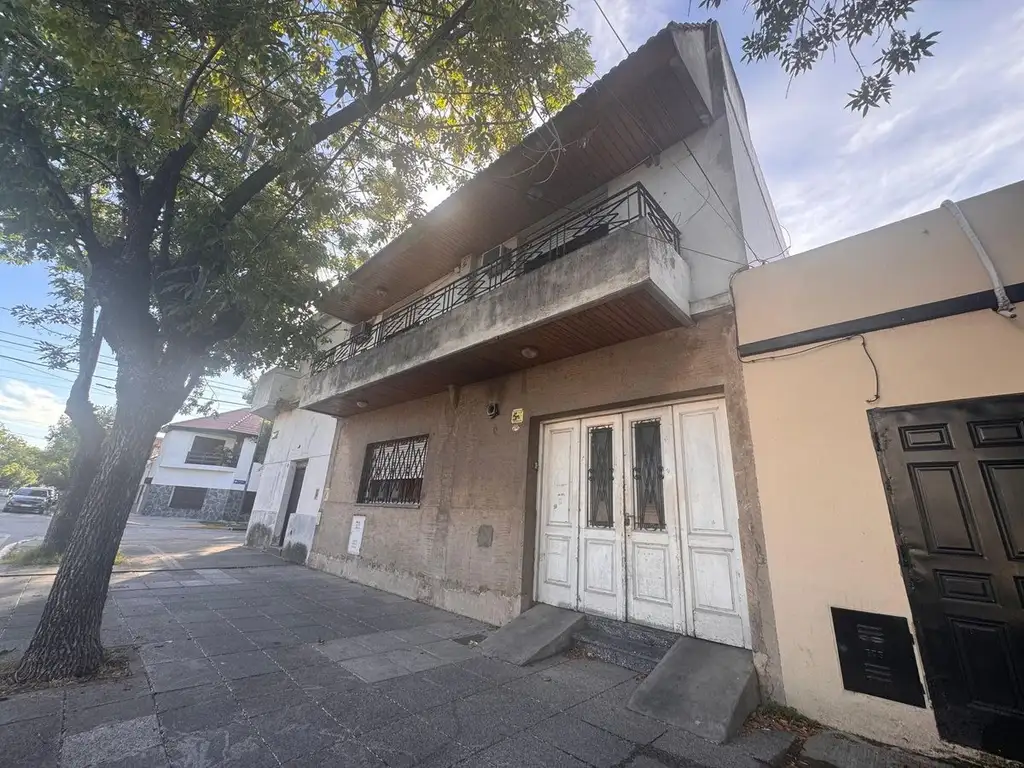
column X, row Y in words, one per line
column 550, row 244
column 214, row 459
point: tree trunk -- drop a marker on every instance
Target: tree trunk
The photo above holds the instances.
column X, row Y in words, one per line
column 67, row 641
column 84, row 466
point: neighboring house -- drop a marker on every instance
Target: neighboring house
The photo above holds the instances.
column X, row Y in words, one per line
column 203, row 468
column 294, row 474
column 539, row 399
column 887, row 418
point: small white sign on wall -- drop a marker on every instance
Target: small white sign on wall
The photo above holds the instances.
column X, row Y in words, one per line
column 355, row 536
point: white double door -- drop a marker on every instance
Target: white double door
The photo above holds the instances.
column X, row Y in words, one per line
column 638, row 521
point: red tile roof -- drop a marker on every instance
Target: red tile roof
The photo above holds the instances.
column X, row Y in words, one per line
column 242, row 421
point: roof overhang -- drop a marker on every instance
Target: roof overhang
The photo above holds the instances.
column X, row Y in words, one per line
column 656, row 97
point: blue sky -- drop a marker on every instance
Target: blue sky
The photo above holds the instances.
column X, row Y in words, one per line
column 954, row 129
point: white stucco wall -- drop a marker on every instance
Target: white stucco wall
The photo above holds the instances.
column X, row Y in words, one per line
column 170, row 467
column 297, row 435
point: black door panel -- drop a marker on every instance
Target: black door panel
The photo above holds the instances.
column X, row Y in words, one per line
column 954, row 474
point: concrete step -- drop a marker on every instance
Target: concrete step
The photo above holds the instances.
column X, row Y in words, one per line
column 621, row 651
column 542, row 631
column 703, row 687
column 656, row 638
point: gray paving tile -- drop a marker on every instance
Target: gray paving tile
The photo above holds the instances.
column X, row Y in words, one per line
column 297, row 656
column 414, row 636
column 687, row 746
column 78, row 720
column 200, row 716
column 217, row 693
column 32, row 742
column 321, row 681
column 525, row 751
column 373, row 669
column 414, row 692
column 364, row 710
column 293, row 732
column 254, row 623
column 274, row 638
column 451, row 651
column 169, row 651
column 458, row 681
column 345, row 753
column 555, row 694
column 470, row 728
column 493, row 669
column 234, row 746
column 110, row 743
column 174, row 675
column 379, row 642
column 415, row 659
column 343, row 649
column 415, row 742
column 200, row 629
column 620, row 721
column 234, row 666
column 29, row 706
column 228, row 642
column 315, row 633
column 580, row 739
column 92, row 694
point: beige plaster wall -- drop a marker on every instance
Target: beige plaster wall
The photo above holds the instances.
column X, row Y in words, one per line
column 479, row 472
column 826, row 519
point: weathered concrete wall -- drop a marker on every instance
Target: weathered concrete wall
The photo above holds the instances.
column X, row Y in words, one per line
column 219, row 504
column 628, row 259
column 480, row 474
column 297, row 435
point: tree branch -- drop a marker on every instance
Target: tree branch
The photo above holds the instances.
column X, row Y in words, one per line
column 90, row 339
column 190, row 86
column 36, row 157
column 401, row 85
column 163, row 262
column 131, row 185
column 164, row 183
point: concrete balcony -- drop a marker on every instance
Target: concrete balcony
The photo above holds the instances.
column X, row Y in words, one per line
column 276, row 390
column 603, row 284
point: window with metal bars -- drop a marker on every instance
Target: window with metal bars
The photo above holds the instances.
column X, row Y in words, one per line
column 187, row 497
column 393, row 471
column 601, row 477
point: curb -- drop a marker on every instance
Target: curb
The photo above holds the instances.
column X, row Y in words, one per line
column 16, row 544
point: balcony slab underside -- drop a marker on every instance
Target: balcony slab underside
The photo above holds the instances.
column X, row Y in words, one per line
column 622, row 287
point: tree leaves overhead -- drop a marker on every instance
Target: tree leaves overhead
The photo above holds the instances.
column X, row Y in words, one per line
column 278, row 189
column 800, row 32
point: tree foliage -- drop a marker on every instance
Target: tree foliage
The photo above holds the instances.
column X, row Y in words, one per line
column 62, row 441
column 800, row 32
column 209, row 165
column 20, row 462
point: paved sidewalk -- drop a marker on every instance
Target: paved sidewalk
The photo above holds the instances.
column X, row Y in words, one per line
column 280, row 665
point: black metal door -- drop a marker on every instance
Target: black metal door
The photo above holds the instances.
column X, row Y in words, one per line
column 954, row 474
column 293, row 499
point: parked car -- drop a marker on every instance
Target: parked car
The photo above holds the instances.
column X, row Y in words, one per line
column 35, row 500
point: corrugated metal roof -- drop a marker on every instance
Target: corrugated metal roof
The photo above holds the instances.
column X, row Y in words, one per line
column 241, row 421
column 620, row 120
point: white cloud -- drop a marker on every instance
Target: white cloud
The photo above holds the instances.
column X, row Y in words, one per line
column 28, row 409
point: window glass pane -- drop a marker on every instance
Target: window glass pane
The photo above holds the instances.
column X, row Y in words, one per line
column 648, row 474
column 393, row 472
column 601, row 476
column 187, row 497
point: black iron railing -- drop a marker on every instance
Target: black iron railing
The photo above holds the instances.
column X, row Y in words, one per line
column 553, row 242
column 212, row 459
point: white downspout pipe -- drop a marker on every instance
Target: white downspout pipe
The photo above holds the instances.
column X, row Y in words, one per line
column 1004, row 306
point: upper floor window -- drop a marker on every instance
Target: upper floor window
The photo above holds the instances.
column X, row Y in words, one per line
column 393, row 471
column 211, row 452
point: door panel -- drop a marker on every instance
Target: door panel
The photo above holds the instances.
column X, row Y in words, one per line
column 713, row 577
column 558, row 512
column 602, row 577
column 654, row 584
column 956, row 494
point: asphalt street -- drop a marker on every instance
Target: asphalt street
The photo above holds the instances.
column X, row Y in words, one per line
column 148, row 542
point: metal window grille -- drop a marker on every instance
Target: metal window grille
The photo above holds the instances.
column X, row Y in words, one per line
column 187, row 497
column 553, row 242
column 648, row 475
column 601, row 479
column 393, row 471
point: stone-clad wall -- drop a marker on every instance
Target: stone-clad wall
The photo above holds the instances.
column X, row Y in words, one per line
column 220, row 504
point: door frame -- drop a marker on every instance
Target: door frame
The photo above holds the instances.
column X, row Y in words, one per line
column 531, row 553
column 293, row 471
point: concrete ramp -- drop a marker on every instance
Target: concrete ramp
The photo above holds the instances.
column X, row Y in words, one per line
column 705, row 688
column 533, row 635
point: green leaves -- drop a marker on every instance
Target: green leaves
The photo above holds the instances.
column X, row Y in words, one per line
column 800, row 32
